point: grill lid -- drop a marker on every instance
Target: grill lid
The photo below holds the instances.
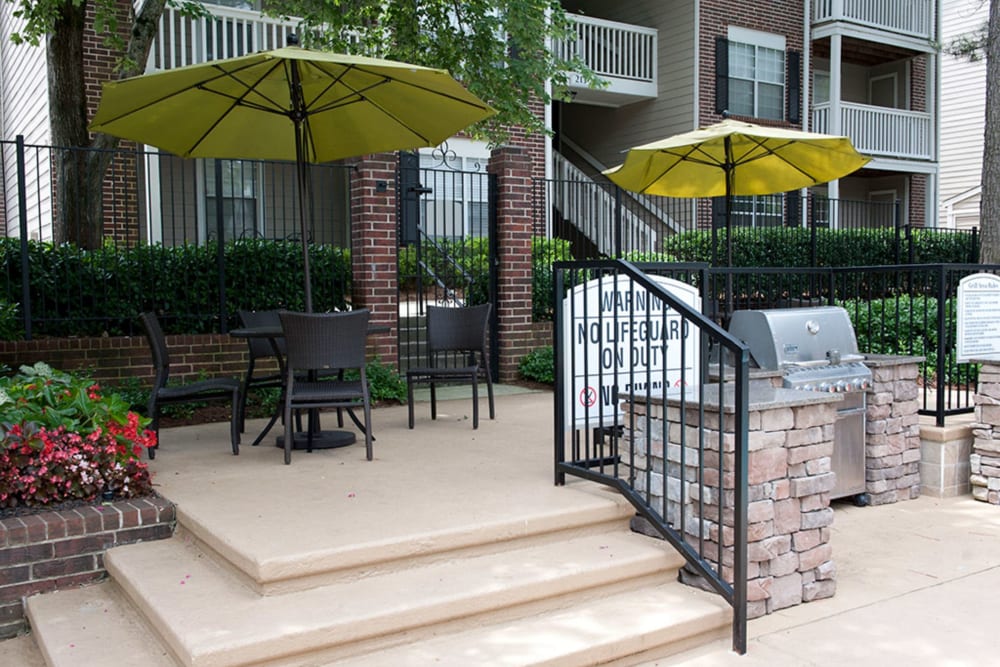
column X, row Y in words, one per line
column 785, row 337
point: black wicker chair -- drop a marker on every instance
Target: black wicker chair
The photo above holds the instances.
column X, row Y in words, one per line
column 202, row 390
column 316, row 344
column 261, row 349
column 454, row 330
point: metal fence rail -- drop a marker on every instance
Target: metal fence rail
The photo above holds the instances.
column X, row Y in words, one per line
column 622, row 337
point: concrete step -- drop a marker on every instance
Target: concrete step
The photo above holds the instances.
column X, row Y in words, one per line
column 653, row 621
column 279, row 570
column 204, row 615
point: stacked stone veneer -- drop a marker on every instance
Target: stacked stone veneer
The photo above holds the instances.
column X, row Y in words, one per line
column 985, row 459
column 892, row 442
column 62, row 549
column 790, row 480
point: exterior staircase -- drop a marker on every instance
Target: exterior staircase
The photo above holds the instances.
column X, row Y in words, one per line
column 581, row 591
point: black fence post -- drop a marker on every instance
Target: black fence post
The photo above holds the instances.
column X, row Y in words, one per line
column 941, row 382
column 974, row 246
column 221, row 248
column 813, row 251
column 22, row 209
column 618, row 223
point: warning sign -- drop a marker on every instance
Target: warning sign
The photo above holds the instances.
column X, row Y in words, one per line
column 620, row 338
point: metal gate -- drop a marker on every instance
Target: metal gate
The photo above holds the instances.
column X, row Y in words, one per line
column 447, row 254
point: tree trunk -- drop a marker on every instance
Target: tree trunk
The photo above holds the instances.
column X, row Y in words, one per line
column 68, row 113
column 80, row 163
column 989, row 212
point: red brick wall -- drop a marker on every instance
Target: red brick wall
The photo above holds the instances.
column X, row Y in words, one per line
column 780, row 18
column 55, row 550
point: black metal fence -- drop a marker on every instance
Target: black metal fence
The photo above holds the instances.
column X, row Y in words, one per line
column 678, row 449
column 150, row 240
column 600, row 220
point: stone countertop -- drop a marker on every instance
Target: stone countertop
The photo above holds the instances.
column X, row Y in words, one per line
column 877, row 360
column 763, row 396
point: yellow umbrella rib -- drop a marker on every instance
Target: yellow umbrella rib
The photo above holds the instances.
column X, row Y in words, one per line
column 238, row 101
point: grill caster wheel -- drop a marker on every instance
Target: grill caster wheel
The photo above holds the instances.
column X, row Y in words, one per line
column 861, row 500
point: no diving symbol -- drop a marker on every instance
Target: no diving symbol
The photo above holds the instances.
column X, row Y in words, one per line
column 588, row 397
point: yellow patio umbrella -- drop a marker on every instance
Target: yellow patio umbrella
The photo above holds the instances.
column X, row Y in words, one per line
column 733, row 158
column 289, row 104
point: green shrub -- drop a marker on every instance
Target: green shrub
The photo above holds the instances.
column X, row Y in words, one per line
column 539, row 365
column 383, row 380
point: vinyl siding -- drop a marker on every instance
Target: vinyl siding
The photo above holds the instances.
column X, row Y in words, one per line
column 963, row 101
column 606, row 133
column 24, row 111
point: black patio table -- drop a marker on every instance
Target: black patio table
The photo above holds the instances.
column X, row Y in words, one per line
column 320, row 439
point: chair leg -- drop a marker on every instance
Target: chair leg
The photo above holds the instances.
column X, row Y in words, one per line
column 434, row 404
column 368, row 428
column 409, row 400
column 288, row 432
column 489, row 391
column 475, row 401
column 153, row 410
column 237, row 422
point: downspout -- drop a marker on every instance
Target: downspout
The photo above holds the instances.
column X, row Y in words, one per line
column 695, row 102
column 934, row 102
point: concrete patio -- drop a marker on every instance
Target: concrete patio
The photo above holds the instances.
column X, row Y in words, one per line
column 914, row 579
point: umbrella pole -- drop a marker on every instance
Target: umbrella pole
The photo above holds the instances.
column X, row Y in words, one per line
column 728, row 167
column 297, row 116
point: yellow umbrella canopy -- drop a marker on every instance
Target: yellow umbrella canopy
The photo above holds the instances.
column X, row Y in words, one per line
column 250, row 107
column 736, row 158
column 289, row 104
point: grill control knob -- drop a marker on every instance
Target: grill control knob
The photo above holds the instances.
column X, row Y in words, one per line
column 841, row 386
column 825, row 386
column 861, row 383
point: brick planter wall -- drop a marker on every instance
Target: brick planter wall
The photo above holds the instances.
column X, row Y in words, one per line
column 63, row 549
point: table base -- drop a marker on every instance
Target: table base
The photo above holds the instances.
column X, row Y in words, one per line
column 320, row 440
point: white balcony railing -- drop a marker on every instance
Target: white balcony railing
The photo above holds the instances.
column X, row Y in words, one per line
column 879, row 131
column 914, row 18
column 623, row 55
column 226, row 33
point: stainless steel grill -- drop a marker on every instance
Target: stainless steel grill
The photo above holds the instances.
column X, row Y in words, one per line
column 816, row 350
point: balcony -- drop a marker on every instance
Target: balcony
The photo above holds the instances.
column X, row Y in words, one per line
column 880, row 131
column 911, row 20
column 225, row 33
column 623, row 55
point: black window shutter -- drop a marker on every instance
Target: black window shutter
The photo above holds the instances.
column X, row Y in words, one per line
column 721, row 74
column 794, row 86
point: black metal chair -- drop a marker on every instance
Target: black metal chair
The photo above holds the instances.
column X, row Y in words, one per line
column 454, row 330
column 201, row 390
column 261, row 349
column 316, row 345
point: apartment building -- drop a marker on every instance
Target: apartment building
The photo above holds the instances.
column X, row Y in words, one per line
column 861, row 69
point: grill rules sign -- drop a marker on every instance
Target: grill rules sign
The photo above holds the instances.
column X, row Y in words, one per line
column 619, row 338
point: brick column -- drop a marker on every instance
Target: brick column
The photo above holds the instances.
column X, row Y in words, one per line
column 373, row 247
column 892, row 432
column 512, row 166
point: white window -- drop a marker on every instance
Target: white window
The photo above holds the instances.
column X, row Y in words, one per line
column 238, row 198
column 759, row 211
column 458, row 204
column 756, row 74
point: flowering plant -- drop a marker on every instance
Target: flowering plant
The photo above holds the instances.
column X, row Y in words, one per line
column 61, row 440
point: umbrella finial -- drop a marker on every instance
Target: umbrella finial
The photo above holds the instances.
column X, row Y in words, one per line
column 725, row 113
column 292, row 39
